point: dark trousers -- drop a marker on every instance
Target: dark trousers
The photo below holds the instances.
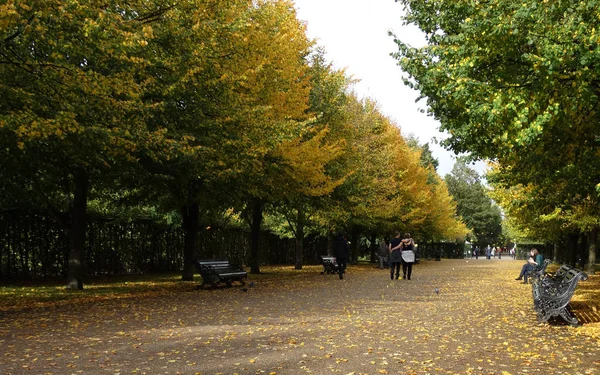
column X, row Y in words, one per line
column 341, row 264
column 406, row 269
column 396, row 266
column 525, row 270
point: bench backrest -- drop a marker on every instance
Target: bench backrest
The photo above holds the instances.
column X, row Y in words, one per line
column 562, row 271
column 560, row 288
column 206, row 267
column 212, row 263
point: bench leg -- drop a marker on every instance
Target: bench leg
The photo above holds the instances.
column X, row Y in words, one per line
column 201, row 286
column 568, row 316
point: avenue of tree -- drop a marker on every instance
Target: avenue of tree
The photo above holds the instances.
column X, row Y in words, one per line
column 208, row 111
column 518, row 83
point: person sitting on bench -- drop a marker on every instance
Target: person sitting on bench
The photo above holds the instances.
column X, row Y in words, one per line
column 535, row 260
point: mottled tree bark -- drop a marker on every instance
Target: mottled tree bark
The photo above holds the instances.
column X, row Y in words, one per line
column 257, row 208
column 190, row 215
column 593, row 245
column 299, row 240
column 77, row 235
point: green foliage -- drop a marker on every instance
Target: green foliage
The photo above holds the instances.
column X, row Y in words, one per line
column 193, row 111
column 478, row 211
column 517, row 83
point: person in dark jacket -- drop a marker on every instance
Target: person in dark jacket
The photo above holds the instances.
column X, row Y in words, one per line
column 395, row 249
column 340, row 251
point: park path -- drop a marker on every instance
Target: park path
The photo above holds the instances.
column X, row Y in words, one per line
column 480, row 322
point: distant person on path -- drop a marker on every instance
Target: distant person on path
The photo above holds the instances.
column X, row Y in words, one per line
column 340, row 251
column 408, row 255
column 488, row 252
column 513, row 253
column 535, row 259
column 383, row 255
column 395, row 251
column 476, row 252
column 499, row 251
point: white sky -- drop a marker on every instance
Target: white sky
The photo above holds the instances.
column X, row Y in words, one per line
column 354, row 36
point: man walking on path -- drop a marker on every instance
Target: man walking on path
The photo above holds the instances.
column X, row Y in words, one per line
column 340, row 251
column 383, row 255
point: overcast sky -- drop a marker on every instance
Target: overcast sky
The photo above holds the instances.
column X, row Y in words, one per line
column 354, row 34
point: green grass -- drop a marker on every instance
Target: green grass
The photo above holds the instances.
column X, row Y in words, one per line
column 25, row 295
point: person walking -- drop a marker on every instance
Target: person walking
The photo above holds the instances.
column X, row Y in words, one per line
column 408, row 256
column 383, row 255
column 340, row 251
column 395, row 251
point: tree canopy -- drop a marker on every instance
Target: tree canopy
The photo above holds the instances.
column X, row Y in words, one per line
column 516, row 83
column 201, row 110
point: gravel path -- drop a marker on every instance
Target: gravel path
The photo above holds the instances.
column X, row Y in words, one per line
column 480, row 322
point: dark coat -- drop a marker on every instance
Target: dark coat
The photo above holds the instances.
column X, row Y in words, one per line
column 340, row 248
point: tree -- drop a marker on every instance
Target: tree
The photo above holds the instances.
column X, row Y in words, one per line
column 427, row 158
column 513, row 90
column 232, row 77
column 477, row 210
column 71, row 97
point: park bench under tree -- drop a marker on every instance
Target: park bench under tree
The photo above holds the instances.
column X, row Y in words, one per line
column 553, row 292
column 215, row 272
column 330, row 265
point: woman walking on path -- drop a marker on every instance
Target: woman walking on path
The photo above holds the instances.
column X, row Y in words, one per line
column 408, row 255
column 395, row 255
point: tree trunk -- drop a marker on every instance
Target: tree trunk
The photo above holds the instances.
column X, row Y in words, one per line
column 190, row 215
column 374, row 248
column 77, row 235
column 571, row 256
column 592, row 246
column 257, row 207
column 555, row 252
column 330, row 243
column 582, row 250
column 354, row 246
column 299, row 240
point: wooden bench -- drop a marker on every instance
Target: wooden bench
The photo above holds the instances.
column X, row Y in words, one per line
column 552, row 294
column 215, row 272
column 330, row 265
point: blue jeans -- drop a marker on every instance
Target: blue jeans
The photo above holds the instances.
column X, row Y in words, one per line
column 525, row 270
